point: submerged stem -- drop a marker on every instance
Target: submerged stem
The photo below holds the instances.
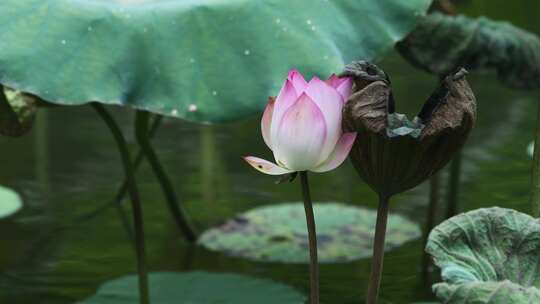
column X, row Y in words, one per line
column 453, row 186
column 378, row 250
column 138, row 159
column 535, row 191
column 434, row 191
column 133, row 191
column 312, row 234
column 141, row 124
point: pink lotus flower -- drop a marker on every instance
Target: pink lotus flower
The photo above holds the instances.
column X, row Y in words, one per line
column 302, row 126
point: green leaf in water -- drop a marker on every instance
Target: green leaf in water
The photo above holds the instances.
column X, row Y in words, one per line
column 278, row 233
column 205, row 61
column 10, row 202
column 487, row 256
column 441, row 43
column 197, row 288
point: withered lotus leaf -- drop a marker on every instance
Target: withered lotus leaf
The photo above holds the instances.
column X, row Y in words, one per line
column 393, row 154
column 17, row 112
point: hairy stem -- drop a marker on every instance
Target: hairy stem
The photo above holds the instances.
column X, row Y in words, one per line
column 378, row 250
column 312, row 234
column 135, row 201
column 141, row 124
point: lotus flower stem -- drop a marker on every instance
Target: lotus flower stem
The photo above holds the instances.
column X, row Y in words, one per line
column 312, row 233
column 303, row 128
column 378, row 250
column 434, row 192
column 133, row 191
column 41, row 144
column 141, row 122
column 535, row 192
column 122, row 191
column 453, row 186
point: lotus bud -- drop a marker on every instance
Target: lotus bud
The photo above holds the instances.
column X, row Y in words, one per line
column 303, row 126
column 395, row 153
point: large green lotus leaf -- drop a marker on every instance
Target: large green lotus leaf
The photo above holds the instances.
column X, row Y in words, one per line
column 202, row 60
column 10, row 202
column 441, row 43
column 197, row 288
column 278, row 233
column 487, row 256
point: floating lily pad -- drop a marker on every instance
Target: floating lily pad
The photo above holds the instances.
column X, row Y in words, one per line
column 10, row 202
column 487, row 256
column 278, row 233
column 197, row 288
column 206, row 61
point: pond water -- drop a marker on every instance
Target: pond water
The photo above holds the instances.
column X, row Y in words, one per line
column 69, row 238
